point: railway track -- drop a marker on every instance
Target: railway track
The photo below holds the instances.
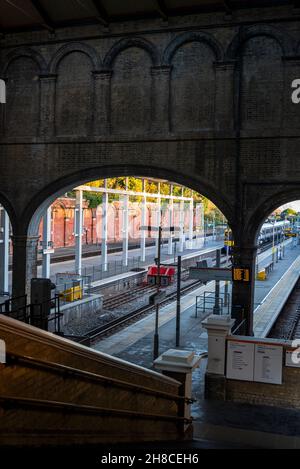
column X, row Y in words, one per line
column 267, row 246
column 134, row 293
column 287, row 326
column 131, row 295
column 111, row 326
column 127, row 296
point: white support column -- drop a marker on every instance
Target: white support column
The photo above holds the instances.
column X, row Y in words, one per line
column 104, row 228
column 218, row 328
column 181, row 226
column 191, row 224
column 4, row 250
column 143, row 223
column 46, row 243
column 203, row 225
column 78, row 231
column 171, row 222
column 158, row 219
column 125, row 226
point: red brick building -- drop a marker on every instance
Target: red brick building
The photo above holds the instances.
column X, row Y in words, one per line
column 62, row 229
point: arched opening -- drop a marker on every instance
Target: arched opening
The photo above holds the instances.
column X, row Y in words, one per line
column 108, row 229
column 276, row 268
column 63, row 209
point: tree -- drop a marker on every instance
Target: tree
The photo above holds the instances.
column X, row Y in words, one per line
column 135, row 184
column 288, row 213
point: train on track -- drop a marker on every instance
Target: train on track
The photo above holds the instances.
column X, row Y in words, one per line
column 267, row 232
column 270, row 230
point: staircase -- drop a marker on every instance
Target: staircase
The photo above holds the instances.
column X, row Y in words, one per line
column 54, row 392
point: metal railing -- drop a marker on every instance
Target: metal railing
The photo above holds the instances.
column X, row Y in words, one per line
column 208, row 303
column 240, row 328
column 117, row 266
column 13, row 303
column 73, row 289
column 75, row 373
column 58, row 406
column 34, row 314
column 69, row 372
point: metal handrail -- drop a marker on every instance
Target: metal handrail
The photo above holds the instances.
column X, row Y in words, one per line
column 43, row 404
column 30, row 312
column 90, row 376
column 6, row 306
column 238, row 327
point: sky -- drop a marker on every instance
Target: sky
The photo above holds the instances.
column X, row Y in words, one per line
column 295, row 205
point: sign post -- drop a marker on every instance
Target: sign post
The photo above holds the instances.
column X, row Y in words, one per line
column 178, row 305
column 211, row 273
column 216, row 309
column 156, row 336
column 159, row 296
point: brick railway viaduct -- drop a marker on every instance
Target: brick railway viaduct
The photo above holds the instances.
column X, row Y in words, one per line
column 203, row 100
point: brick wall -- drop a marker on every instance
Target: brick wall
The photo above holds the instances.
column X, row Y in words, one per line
column 62, row 227
column 196, row 81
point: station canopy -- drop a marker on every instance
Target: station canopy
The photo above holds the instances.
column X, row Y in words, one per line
column 19, row 15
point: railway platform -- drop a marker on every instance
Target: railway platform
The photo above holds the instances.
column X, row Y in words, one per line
column 135, row 344
column 125, row 276
column 191, row 326
column 272, row 294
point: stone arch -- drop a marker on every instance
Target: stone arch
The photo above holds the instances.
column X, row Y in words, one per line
column 44, row 198
column 192, row 37
column 75, row 47
column 283, row 39
column 270, row 204
column 24, row 52
column 11, row 212
column 123, row 44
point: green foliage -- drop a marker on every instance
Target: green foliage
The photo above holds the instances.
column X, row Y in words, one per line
column 288, row 212
column 136, row 185
column 94, row 199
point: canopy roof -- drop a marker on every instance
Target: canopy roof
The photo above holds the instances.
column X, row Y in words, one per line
column 18, row 15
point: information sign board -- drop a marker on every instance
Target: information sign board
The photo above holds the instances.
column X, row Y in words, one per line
column 268, row 364
column 240, row 360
